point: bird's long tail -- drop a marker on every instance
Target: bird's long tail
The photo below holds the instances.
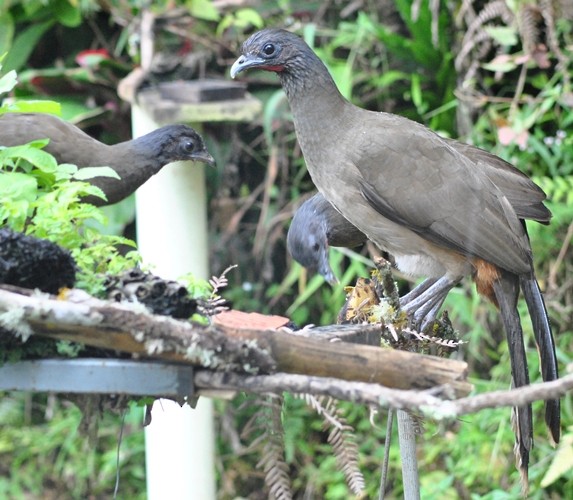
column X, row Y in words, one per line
column 545, row 348
column 506, row 290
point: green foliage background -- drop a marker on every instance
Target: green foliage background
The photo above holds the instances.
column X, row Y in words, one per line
column 422, row 60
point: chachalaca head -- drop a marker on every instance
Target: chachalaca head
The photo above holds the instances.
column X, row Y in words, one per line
column 275, row 50
column 286, row 54
column 316, row 225
column 443, row 210
column 173, row 143
column 134, row 161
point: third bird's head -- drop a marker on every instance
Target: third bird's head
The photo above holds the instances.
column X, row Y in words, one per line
column 177, row 143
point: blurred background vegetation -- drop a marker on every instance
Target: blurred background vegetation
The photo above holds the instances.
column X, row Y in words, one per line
column 494, row 73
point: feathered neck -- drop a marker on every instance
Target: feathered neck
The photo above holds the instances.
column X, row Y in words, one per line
column 306, row 78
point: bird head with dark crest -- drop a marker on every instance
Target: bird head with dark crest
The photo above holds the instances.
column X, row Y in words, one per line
column 176, row 143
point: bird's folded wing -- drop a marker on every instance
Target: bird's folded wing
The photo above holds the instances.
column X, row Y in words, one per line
column 523, row 194
column 418, row 181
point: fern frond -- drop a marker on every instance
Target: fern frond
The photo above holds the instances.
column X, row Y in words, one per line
column 548, row 12
column 342, row 439
column 449, row 343
column 272, row 461
column 476, row 35
column 528, row 25
column 316, row 403
column 215, row 304
column 218, row 282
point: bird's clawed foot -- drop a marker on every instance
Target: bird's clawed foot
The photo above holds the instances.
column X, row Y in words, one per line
column 423, row 303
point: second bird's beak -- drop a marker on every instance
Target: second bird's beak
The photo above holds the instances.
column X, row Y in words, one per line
column 204, row 157
column 244, row 62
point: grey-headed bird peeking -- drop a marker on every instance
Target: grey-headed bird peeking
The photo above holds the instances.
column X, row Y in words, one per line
column 315, row 227
column 134, row 161
column 442, row 209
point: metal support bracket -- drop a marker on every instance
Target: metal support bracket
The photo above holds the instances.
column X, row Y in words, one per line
column 99, row 376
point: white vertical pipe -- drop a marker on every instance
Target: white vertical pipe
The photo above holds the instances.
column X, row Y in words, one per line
column 172, row 237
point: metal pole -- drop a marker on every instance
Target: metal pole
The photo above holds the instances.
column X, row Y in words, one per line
column 407, row 438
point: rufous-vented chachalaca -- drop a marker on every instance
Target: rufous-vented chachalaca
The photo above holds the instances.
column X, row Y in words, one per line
column 134, row 161
column 443, row 209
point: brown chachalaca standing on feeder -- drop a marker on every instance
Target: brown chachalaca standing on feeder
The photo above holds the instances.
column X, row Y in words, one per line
column 134, row 161
column 442, row 209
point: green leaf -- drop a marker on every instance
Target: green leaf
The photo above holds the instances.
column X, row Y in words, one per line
column 504, row 35
column 40, row 159
column 270, row 112
column 503, row 63
column 8, row 82
column 246, row 17
column 562, row 462
column 24, row 44
column 419, row 44
column 15, row 212
column 389, row 77
column 17, row 185
column 313, row 285
column 67, row 14
column 35, row 106
column 6, row 32
column 65, row 171
column 241, row 19
column 91, row 172
column 203, row 9
column 342, row 74
column 417, row 94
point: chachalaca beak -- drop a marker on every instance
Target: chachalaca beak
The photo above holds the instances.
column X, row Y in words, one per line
column 244, row 62
column 203, row 157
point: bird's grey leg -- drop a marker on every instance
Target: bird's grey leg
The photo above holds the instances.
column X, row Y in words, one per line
column 426, row 313
column 437, row 289
column 417, row 291
column 426, row 319
column 425, row 306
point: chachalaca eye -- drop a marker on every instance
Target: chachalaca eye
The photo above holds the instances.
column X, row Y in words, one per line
column 269, row 49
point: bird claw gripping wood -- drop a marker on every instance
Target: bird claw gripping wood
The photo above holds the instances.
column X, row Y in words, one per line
column 376, row 300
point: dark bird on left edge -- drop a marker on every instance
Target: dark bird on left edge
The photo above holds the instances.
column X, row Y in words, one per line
column 316, row 225
column 439, row 211
column 134, row 161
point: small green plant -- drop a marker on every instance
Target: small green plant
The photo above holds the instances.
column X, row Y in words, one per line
column 44, row 199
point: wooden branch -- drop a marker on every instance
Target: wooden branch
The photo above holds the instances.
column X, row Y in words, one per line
column 429, row 402
column 356, row 392
column 514, row 397
column 359, row 373
column 389, row 367
column 130, row 328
